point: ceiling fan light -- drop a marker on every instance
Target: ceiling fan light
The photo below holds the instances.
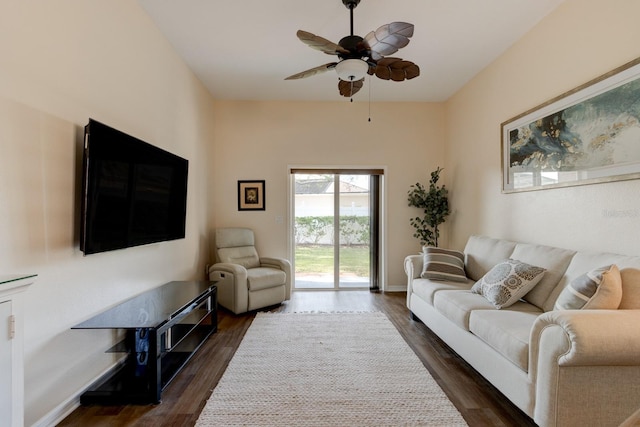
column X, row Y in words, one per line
column 352, row 69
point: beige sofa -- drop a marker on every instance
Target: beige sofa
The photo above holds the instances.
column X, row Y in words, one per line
column 561, row 367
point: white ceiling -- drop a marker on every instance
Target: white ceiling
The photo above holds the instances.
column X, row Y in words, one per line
column 243, row 49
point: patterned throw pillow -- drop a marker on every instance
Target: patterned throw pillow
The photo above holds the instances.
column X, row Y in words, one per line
column 507, row 282
column 443, row 264
column 598, row 289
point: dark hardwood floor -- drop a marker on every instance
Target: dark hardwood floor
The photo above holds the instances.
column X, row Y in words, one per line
column 479, row 402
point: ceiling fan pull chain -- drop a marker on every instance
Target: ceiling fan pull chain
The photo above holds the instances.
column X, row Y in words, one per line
column 370, row 99
column 351, row 80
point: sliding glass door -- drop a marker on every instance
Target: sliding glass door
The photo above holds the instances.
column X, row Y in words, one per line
column 334, row 236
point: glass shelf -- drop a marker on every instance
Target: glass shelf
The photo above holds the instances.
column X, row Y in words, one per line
column 150, row 309
column 4, row 278
column 9, row 283
column 164, row 328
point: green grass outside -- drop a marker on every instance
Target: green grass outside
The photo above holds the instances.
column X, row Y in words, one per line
column 319, row 259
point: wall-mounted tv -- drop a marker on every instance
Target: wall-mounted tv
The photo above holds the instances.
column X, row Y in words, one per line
column 133, row 193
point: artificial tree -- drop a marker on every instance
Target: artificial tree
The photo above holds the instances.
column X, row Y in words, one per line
column 435, row 206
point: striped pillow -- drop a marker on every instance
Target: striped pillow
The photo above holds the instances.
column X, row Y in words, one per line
column 443, row 264
column 598, row 289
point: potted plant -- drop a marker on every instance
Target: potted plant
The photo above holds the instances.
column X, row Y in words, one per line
column 435, row 207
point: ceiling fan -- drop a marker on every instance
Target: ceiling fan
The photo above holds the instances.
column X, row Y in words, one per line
column 360, row 56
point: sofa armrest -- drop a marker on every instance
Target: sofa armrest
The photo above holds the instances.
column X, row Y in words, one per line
column 591, row 337
column 282, row 264
column 582, row 360
column 413, row 269
column 413, row 266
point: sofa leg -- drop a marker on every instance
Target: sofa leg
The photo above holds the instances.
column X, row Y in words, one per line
column 414, row 317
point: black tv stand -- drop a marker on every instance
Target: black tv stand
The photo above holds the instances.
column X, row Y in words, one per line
column 164, row 327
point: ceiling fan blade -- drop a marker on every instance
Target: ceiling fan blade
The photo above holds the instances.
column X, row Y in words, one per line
column 348, row 89
column 396, row 69
column 313, row 71
column 388, row 39
column 320, row 43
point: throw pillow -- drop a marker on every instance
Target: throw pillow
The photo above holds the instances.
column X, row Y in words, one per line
column 507, row 282
column 598, row 289
column 443, row 264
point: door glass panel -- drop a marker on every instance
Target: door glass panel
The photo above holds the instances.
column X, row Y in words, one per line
column 354, row 235
column 313, row 231
column 332, row 231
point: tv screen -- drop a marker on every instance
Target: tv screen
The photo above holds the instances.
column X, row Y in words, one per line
column 133, row 193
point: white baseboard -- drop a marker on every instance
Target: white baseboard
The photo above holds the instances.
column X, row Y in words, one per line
column 64, row 409
column 59, row 413
column 396, row 288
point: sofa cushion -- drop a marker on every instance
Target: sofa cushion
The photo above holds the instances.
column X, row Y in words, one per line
column 506, row 331
column 457, row 305
column 426, row 288
column 597, row 289
column 507, row 282
column 264, row 278
column 554, row 260
column 482, row 253
column 443, row 264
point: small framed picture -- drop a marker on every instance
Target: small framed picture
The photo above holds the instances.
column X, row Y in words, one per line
column 251, row 196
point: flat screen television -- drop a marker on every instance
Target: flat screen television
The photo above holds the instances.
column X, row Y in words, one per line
column 133, row 193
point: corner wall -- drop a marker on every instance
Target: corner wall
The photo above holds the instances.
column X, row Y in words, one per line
column 62, row 63
column 260, row 140
column 579, row 41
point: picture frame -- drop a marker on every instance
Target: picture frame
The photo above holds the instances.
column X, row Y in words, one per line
column 251, row 195
column 588, row 135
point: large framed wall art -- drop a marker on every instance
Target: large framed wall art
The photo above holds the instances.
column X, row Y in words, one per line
column 588, row 135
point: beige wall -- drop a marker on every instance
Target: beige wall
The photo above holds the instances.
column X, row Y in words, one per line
column 63, row 62
column 261, row 140
column 576, row 43
column 68, row 60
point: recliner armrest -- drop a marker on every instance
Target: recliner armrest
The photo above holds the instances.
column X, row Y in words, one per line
column 228, row 267
column 280, row 263
column 283, row 265
column 233, row 292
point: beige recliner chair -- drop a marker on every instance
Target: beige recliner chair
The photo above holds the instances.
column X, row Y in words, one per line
column 246, row 281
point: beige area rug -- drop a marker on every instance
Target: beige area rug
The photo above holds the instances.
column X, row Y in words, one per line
column 338, row 369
